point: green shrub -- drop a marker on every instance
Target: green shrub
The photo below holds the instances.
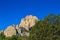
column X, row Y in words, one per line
column 44, row 31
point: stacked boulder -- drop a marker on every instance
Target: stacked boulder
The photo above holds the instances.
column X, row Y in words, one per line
column 23, row 28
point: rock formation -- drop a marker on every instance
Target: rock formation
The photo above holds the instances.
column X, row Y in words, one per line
column 21, row 29
column 10, row 31
column 28, row 22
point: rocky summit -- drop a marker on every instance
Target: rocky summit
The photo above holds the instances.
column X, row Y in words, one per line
column 28, row 22
column 21, row 29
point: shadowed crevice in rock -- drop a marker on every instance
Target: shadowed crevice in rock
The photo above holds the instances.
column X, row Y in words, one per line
column 23, row 28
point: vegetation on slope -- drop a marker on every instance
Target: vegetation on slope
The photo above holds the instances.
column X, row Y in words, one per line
column 47, row 29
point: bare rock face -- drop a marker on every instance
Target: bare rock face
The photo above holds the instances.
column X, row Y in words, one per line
column 17, row 27
column 23, row 28
column 28, row 22
column 10, row 31
column 18, row 30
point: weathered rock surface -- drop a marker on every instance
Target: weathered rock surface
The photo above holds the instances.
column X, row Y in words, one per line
column 23, row 28
column 10, row 31
column 28, row 22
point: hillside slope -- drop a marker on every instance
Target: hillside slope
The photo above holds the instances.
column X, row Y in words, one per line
column 47, row 29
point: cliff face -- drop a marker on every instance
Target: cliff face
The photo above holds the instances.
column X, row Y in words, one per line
column 10, row 31
column 26, row 23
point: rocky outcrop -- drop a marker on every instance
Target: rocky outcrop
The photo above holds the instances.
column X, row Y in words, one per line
column 21, row 31
column 10, row 31
column 28, row 22
column 23, row 28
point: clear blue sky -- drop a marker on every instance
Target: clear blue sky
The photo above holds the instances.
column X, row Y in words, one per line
column 11, row 11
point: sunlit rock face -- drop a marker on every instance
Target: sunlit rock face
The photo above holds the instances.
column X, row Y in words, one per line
column 21, row 31
column 18, row 29
column 10, row 31
column 23, row 28
column 28, row 22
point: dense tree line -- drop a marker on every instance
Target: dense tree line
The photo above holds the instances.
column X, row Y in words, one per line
column 46, row 29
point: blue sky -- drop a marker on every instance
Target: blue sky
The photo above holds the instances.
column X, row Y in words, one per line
column 11, row 11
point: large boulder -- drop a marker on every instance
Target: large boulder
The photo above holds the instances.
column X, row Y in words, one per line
column 10, row 31
column 28, row 22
